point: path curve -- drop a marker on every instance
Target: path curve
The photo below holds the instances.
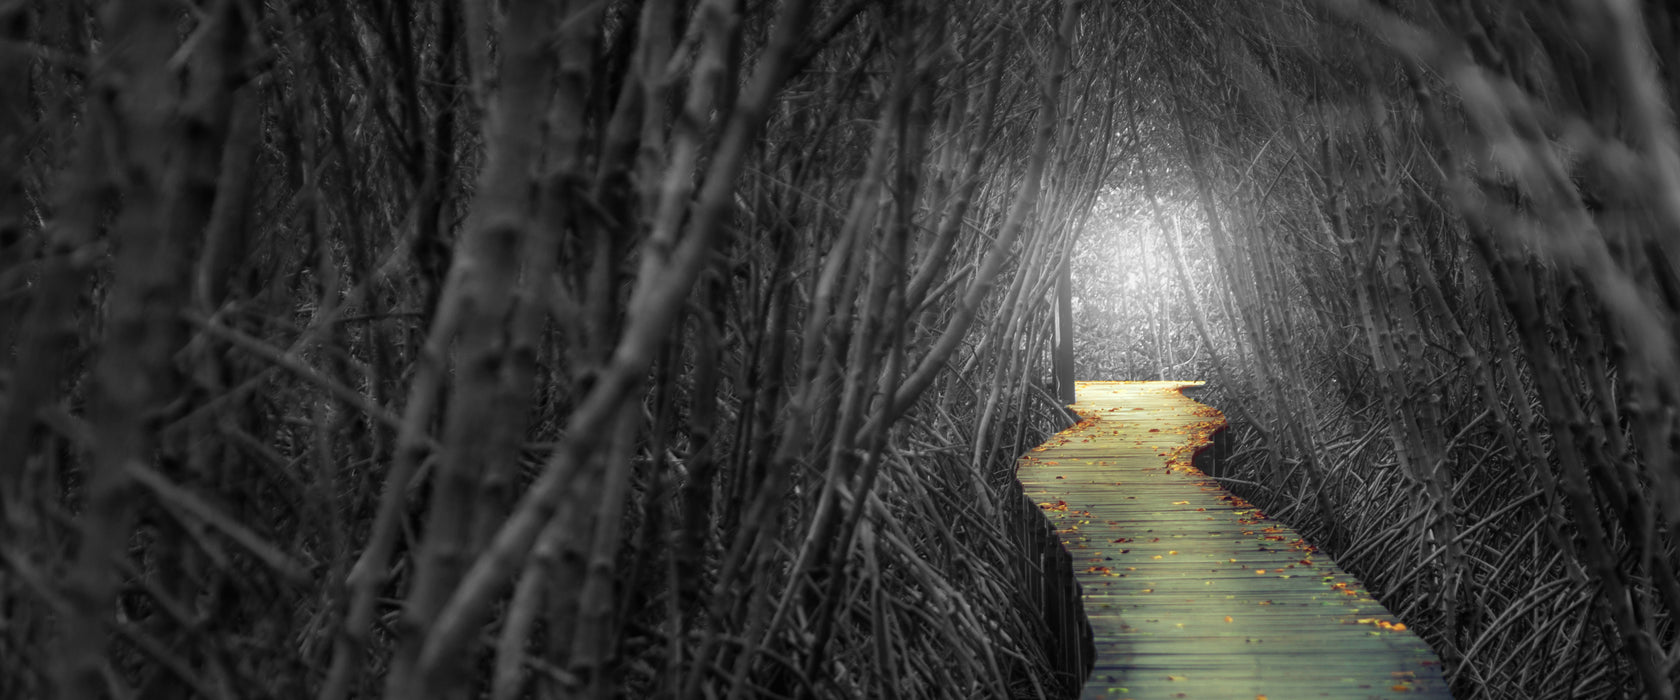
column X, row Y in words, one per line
column 1192, row 592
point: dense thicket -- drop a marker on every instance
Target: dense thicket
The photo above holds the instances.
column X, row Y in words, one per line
column 1433, row 269
column 533, row 348
column 420, row 348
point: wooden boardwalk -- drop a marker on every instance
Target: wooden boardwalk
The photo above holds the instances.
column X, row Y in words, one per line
column 1191, row 592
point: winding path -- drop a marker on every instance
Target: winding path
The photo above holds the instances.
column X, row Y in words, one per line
column 1192, row 592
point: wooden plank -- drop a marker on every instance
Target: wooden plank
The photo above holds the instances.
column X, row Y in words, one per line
column 1192, row 592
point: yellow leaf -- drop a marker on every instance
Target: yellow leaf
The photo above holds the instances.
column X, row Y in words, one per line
column 1228, row 619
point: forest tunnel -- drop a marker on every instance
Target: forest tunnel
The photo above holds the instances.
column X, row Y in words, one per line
column 632, row 348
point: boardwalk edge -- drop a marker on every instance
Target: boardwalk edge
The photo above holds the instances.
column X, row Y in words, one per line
column 1052, row 590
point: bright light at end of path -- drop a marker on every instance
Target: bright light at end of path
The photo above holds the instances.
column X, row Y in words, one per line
column 1141, row 277
column 1123, row 270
